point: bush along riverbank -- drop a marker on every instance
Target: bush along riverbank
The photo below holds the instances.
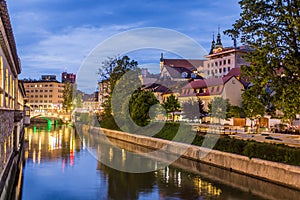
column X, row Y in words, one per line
column 252, row 149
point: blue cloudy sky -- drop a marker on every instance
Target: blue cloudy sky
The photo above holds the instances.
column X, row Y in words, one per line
column 54, row 35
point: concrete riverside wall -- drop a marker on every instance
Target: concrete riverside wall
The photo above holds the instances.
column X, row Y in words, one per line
column 279, row 173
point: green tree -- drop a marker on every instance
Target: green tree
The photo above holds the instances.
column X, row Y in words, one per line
column 193, row 109
column 139, row 106
column 78, row 101
column 236, row 111
column 112, row 70
column 219, row 108
column 68, row 97
column 252, row 105
column 272, row 30
column 171, row 105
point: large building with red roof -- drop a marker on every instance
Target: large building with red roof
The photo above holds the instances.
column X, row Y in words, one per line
column 180, row 69
column 221, row 60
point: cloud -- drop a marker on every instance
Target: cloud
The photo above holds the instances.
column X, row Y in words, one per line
column 54, row 35
column 137, row 40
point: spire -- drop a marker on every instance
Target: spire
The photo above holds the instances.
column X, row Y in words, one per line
column 219, row 42
column 161, row 57
column 212, row 44
column 162, row 63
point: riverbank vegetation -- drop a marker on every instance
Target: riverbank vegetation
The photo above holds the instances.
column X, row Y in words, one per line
column 252, row 149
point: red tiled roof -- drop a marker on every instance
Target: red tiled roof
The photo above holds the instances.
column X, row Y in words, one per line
column 234, row 72
column 189, row 64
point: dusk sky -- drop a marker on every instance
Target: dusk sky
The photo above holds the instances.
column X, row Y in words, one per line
column 57, row 35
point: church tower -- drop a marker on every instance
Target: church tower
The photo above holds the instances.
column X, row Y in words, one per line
column 212, row 45
column 219, row 42
column 161, row 63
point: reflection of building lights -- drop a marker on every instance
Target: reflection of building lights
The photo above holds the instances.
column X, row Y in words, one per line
column 71, row 158
column 167, row 175
column 39, row 157
column 26, row 154
column 83, row 144
column 63, row 165
column 29, row 141
column 208, row 187
column 123, row 157
column 33, row 156
column 111, row 154
column 179, row 179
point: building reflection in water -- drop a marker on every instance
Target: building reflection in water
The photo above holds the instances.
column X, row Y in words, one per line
column 51, row 143
column 89, row 178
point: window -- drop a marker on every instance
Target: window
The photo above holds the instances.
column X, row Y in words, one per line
column 27, row 91
column 208, row 72
column 31, row 96
column 220, row 70
column 216, row 64
column 45, row 96
column 193, row 75
column 224, row 62
column 36, row 91
column 46, row 90
column 228, row 61
column 184, row 75
column 6, row 81
column 220, row 63
column 208, row 65
column 224, row 69
column 31, row 90
column 41, row 96
column 41, row 90
column 51, row 85
column 50, row 101
column 216, row 71
column 36, row 96
column 41, row 101
column 50, row 90
column 45, row 101
column 50, row 96
column 46, row 85
column 228, row 69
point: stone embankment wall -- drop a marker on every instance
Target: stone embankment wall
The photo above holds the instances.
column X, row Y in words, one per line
column 279, row 173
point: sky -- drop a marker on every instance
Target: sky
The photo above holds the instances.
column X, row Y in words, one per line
column 54, row 36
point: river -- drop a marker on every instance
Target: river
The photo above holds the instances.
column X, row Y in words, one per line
column 58, row 165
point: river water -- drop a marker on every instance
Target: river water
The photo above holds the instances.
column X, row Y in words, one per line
column 58, row 165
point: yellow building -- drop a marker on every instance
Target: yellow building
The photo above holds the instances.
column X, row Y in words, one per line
column 11, row 105
column 44, row 94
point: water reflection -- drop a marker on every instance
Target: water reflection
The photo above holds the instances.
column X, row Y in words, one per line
column 59, row 166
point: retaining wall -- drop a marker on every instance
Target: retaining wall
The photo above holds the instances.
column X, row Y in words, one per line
column 279, row 173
